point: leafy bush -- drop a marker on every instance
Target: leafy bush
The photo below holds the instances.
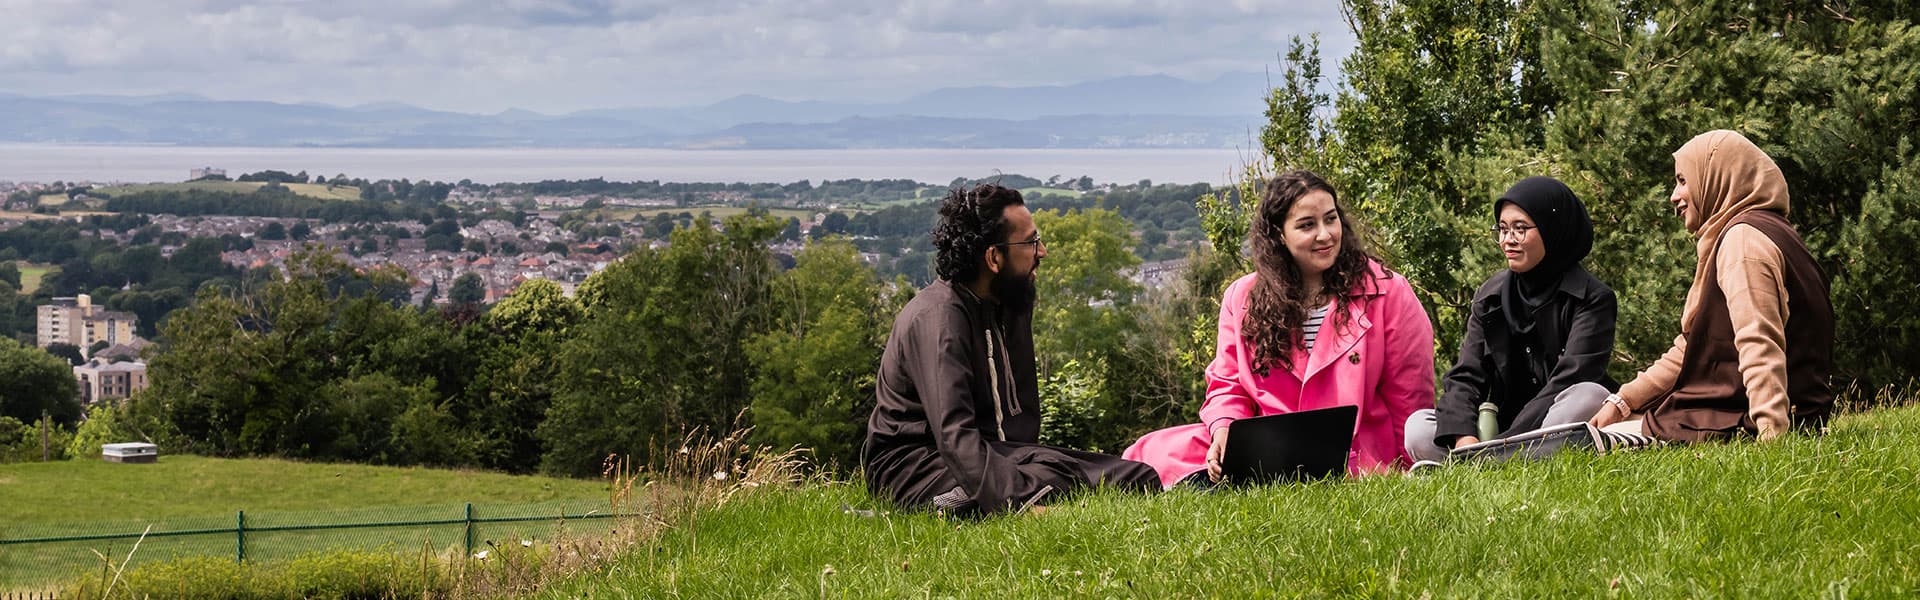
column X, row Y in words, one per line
column 1445, row 104
column 1070, row 410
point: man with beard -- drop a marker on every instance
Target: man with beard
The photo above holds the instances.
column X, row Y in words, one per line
column 957, row 418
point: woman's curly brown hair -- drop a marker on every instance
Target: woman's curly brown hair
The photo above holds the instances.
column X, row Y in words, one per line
column 1278, row 304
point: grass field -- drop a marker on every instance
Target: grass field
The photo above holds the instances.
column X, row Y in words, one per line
column 1829, row 517
column 1046, row 191
column 65, row 214
column 921, row 196
column 719, row 212
column 31, row 275
column 14, row 214
column 54, row 199
column 82, row 497
column 323, row 192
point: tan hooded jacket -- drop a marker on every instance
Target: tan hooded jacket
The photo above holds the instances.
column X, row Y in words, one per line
column 1728, row 176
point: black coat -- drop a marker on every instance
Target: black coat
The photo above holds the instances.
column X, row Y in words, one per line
column 957, row 405
column 1571, row 342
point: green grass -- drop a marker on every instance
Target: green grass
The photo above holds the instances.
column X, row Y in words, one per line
column 31, row 275
column 83, row 497
column 188, row 486
column 918, row 197
column 320, row 191
column 1804, row 517
column 719, row 212
column 1047, row 191
column 30, row 216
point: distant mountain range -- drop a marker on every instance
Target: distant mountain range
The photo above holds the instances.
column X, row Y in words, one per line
column 1128, row 112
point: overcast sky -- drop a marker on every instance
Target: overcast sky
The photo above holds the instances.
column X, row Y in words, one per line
column 563, row 55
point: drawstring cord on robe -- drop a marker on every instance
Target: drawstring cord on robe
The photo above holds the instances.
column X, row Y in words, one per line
column 994, row 371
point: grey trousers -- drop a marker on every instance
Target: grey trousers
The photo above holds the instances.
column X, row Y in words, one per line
column 1579, row 402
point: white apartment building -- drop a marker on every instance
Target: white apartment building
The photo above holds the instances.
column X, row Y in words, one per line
column 79, row 322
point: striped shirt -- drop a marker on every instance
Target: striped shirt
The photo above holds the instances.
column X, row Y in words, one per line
column 1311, row 329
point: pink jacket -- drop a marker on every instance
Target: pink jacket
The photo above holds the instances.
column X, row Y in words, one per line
column 1380, row 358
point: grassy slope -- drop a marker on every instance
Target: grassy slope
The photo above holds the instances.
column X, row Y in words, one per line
column 719, row 212
column 1047, row 191
column 31, row 274
column 323, row 192
column 1801, row 518
column 187, row 492
column 13, row 214
column 193, row 486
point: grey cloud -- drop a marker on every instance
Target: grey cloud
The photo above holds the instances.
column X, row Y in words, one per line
column 486, row 55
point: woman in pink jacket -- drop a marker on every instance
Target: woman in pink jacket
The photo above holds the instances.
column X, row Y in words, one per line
column 1319, row 323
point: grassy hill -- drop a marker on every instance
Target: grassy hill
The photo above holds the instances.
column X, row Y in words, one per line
column 82, row 497
column 191, row 486
column 320, row 191
column 1047, row 191
column 1826, row 517
column 1806, row 517
column 719, row 212
column 31, row 274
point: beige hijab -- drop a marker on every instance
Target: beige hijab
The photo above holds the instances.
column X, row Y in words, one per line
column 1726, row 176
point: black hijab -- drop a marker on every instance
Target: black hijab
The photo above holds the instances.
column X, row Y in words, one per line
column 1561, row 222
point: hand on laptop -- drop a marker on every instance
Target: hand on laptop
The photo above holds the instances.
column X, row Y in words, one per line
column 1216, row 452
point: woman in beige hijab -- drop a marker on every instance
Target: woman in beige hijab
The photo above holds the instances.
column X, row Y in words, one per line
column 1756, row 338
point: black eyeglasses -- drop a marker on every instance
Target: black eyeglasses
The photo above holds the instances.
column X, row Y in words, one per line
column 1035, row 242
column 1519, row 232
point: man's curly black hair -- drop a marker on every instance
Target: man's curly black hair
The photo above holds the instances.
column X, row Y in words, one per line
column 971, row 220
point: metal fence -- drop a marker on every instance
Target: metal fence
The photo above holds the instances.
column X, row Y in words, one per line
column 39, row 554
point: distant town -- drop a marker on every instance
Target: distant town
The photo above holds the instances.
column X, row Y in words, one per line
column 508, row 234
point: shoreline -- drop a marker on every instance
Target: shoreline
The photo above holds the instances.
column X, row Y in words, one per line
column 140, row 163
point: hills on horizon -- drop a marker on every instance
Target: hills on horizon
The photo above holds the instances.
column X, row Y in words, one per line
column 1128, row 112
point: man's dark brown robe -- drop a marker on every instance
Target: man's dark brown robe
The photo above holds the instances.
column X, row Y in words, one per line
column 957, row 420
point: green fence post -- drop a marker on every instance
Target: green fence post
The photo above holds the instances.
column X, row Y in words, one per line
column 240, row 537
column 469, row 529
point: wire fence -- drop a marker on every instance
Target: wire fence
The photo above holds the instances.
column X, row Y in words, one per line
column 33, row 555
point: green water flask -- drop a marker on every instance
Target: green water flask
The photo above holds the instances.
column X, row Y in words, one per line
column 1489, row 420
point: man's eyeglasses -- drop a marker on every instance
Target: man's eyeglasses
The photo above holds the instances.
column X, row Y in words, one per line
column 1518, row 232
column 1035, row 242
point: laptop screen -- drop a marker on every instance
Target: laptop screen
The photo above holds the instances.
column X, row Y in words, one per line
column 1295, row 446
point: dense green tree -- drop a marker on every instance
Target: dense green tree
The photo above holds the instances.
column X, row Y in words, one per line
column 813, row 384
column 10, row 274
column 1447, row 102
column 516, row 374
column 272, row 232
column 36, row 382
column 18, row 316
column 468, row 288
column 200, row 258
column 1085, row 298
column 258, row 372
column 150, row 306
column 442, row 243
column 32, row 441
column 66, row 352
column 662, row 348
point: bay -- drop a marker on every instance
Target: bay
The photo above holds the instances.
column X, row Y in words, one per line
column 142, row 164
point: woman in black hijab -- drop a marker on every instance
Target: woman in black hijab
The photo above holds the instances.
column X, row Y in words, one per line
column 1536, row 328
